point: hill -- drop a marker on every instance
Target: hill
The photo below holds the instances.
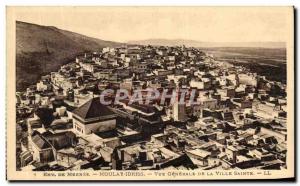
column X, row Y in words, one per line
column 42, row 49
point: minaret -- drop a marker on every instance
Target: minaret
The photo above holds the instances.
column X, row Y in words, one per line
column 115, row 160
column 179, row 109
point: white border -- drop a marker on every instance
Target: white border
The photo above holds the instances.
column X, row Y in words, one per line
column 4, row 3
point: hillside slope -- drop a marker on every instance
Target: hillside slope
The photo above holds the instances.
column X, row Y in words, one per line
column 42, row 49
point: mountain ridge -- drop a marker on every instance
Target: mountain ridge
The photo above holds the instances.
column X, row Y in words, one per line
column 203, row 44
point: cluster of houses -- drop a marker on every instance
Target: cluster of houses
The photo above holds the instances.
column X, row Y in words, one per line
column 237, row 122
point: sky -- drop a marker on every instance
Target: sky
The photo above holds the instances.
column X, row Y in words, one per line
column 207, row 24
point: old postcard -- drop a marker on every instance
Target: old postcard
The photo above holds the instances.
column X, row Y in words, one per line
column 150, row 93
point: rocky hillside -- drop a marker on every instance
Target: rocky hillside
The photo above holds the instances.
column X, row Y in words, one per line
column 42, row 49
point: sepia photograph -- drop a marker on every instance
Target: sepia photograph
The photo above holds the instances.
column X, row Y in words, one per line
column 150, row 93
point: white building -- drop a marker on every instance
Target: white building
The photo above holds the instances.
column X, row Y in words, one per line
column 40, row 86
column 202, row 84
column 248, row 79
column 93, row 117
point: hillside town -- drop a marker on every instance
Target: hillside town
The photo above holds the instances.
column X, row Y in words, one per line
column 228, row 118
